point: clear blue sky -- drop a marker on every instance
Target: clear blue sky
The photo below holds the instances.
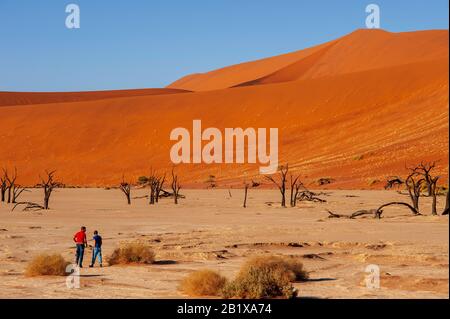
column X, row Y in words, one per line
column 150, row 43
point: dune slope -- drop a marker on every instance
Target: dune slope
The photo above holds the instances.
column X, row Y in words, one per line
column 359, row 51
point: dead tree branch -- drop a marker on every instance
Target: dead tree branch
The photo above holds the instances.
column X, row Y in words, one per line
column 424, row 169
column 393, row 181
column 4, row 184
column 30, row 206
column 175, row 187
column 282, row 184
column 49, row 184
column 125, row 187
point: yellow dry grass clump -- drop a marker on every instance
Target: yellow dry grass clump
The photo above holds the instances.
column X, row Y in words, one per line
column 266, row 277
column 203, row 283
column 132, row 253
column 47, row 265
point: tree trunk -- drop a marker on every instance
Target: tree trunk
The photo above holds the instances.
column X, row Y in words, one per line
column 447, row 204
column 46, row 200
column 429, row 188
column 292, row 196
column 416, row 202
column 9, row 195
column 433, row 207
column 245, row 196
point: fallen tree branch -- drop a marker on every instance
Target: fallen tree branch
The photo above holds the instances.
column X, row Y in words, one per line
column 29, row 206
column 415, row 211
column 374, row 212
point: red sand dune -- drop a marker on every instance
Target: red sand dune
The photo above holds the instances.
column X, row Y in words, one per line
column 359, row 51
column 356, row 109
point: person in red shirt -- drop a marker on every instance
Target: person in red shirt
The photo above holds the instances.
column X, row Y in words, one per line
column 80, row 240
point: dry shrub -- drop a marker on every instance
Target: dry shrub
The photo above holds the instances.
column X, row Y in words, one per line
column 266, row 277
column 203, row 283
column 132, row 253
column 47, row 265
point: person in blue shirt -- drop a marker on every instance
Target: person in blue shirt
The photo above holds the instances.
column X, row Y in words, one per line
column 97, row 251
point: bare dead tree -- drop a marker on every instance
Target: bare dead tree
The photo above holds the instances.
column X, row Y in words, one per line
column 175, row 187
column 295, row 184
column 11, row 182
column 4, row 184
column 48, row 183
column 414, row 185
column 424, row 169
column 246, row 186
column 447, row 204
column 308, row 196
column 17, row 191
column 156, row 185
column 282, row 184
column 160, row 186
column 153, row 184
column 433, row 189
column 125, row 187
column 393, row 181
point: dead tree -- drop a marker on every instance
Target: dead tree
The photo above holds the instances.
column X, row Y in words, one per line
column 11, row 182
column 414, row 210
column 246, row 186
column 282, row 184
column 393, row 181
column 175, row 187
column 4, row 184
column 447, row 204
column 295, row 184
column 125, row 187
column 376, row 213
column 308, row 196
column 433, row 189
column 159, row 186
column 359, row 213
column 156, row 186
column 17, row 191
column 424, row 169
column 414, row 185
column 48, row 184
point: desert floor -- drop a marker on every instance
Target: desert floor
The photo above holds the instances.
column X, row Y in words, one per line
column 209, row 229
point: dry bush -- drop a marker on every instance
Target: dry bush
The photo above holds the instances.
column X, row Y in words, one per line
column 296, row 266
column 132, row 253
column 266, row 277
column 203, row 283
column 47, row 265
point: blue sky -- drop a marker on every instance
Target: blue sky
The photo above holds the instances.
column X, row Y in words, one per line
column 150, row 43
